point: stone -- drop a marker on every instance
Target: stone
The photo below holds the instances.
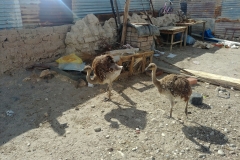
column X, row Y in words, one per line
column 232, row 145
column 232, row 152
column 47, row 74
column 192, row 81
column 220, row 152
column 134, row 149
column 226, row 130
column 98, row 129
column 196, row 99
column 107, row 136
column 225, row 138
column 201, row 155
column 212, row 133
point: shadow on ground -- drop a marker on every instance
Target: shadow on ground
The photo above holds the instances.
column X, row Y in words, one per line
column 129, row 117
column 206, row 134
column 42, row 103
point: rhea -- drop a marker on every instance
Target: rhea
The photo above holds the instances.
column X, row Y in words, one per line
column 172, row 86
column 105, row 71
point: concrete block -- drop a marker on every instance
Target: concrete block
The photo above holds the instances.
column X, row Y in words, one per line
column 128, row 34
column 44, row 30
column 192, row 81
column 144, row 44
column 46, row 38
column 23, row 32
column 142, row 39
column 196, row 99
column 62, row 29
column 35, row 40
column 129, row 29
column 54, row 37
column 12, row 38
column 146, row 48
column 3, row 38
column 150, row 38
column 62, row 36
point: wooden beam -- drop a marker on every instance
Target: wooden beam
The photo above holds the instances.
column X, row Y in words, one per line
column 125, row 16
column 217, row 79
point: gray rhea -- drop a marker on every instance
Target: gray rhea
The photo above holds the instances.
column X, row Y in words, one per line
column 172, row 86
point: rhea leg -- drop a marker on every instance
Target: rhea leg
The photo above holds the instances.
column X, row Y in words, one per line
column 109, row 90
column 186, row 109
column 171, row 106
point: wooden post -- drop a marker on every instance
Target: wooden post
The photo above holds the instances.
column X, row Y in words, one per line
column 125, row 15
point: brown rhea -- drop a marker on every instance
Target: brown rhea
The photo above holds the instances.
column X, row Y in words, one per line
column 172, row 86
column 105, row 71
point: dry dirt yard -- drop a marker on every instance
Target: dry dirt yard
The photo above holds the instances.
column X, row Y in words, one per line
column 54, row 120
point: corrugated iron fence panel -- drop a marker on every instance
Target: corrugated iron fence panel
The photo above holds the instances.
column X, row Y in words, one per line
column 231, row 9
column 55, row 12
column 30, row 13
column 220, row 28
column 10, row 14
column 158, row 4
column 201, row 9
column 81, row 8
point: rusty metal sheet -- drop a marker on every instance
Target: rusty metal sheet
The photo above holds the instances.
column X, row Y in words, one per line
column 201, row 9
column 221, row 26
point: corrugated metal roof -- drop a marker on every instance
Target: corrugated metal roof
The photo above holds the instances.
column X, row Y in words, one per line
column 81, row 8
column 10, row 14
column 55, row 12
column 30, row 13
column 220, row 28
column 201, row 9
column 158, row 4
column 231, row 9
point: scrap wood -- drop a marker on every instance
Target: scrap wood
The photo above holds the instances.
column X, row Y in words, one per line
column 125, row 15
column 217, row 79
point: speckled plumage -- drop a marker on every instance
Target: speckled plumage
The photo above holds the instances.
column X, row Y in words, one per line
column 102, row 65
column 105, row 71
column 172, row 86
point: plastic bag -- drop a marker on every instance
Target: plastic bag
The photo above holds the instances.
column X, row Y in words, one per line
column 70, row 62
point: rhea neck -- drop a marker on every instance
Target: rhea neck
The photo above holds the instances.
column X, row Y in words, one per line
column 154, row 79
column 90, row 80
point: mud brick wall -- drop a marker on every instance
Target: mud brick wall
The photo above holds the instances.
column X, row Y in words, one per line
column 24, row 47
column 143, row 43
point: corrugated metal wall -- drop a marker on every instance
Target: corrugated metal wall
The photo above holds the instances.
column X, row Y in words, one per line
column 201, row 9
column 229, row 18
column 157, row 4
column 10, row 14
column 81, row 8
column 55, row 12
column 30, row 13
column 231, row 9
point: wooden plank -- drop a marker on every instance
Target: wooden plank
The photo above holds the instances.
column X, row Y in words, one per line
column 124, row 30
column 217, row 79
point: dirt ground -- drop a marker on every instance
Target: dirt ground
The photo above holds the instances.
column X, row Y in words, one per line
column 54, row 120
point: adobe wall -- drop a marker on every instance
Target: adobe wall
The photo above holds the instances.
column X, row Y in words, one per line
column 23, row 47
